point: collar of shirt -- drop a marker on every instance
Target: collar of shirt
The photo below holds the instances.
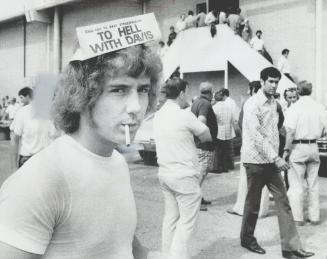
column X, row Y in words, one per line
column 205, row 97
column 262, row 98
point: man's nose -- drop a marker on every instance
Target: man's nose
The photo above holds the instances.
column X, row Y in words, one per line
column 133, row 103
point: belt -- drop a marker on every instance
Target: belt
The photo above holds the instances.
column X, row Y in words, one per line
column 304, row 141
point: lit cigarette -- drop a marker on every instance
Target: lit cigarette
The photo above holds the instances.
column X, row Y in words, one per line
column 127, row 136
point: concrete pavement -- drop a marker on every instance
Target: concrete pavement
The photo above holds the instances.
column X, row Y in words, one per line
column 217, row 233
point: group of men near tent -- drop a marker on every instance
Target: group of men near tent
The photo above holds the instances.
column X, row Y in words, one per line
column 73, row 199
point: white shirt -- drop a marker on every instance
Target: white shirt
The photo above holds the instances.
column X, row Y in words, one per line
column 283, row 65
column 307, row 117
column 210, row 18
column 231, row 104
column 190, row 21
column 69, row 203
column 225, row 120
column 12, row 110
column 180, row 25
column 257, row 44
column 174, row 131
column 35, row 133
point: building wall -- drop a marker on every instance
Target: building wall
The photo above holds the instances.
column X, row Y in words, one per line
column 286, row 24
column 324, row 54
column 12, row 57
column 36, row 49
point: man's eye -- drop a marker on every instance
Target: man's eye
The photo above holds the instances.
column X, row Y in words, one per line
column 118, row 90
column 144, row 89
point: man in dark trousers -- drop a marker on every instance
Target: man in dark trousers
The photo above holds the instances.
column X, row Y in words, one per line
column 263, row 165
column 202, row 109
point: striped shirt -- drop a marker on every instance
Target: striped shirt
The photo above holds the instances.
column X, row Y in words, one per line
column 225, row 120
column 260, row 140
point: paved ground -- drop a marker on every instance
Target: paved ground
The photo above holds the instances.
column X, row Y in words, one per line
column 217, row 233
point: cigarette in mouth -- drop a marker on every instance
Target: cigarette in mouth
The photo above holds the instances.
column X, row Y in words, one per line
column 127, row 136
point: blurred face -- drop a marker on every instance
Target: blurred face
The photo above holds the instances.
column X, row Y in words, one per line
column 24, row 99
column 259, row 35
column 269, row 86
column 124, row 101
column 291, row 97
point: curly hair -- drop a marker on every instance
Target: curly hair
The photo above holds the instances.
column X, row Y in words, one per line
column 82, row 82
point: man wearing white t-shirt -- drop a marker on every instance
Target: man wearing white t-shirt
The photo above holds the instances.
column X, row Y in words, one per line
column 284, row 65
column 179, row 169
column 73, row 199
column 12, row 109
column 257, row 42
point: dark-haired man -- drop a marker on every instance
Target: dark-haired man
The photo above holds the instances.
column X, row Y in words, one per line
column 179, row 170
column 25, row 95
column 74, row 199
column 263, row 165
column 283, row 64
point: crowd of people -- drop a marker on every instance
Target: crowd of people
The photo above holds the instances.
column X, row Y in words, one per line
column 279, row 155
column 71, row 196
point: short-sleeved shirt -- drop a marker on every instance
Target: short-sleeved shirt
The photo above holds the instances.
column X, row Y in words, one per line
column 257, row 44
column 174, row 129
column 307, row 117
column 35, row 133
column 69, row 203
column 202, row 106
column 225, row 120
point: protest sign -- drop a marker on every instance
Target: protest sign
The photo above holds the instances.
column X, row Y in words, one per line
column 101, row 38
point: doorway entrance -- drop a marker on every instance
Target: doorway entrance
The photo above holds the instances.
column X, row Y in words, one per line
column 224, row 5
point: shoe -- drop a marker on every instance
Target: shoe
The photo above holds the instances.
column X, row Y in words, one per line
column 254, row 248
column 203, row 208
column 314, row 222
column 299, row 223
column 205, row 202
column 231, row 211
column 296, row 254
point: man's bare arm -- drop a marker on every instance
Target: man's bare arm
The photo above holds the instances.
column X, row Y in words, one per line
column 15, row 149
column 10, row 252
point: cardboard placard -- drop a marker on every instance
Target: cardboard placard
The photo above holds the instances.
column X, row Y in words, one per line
column 101, row 38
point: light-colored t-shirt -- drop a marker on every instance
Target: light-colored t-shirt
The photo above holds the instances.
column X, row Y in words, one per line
column 257, row 44
column 174, row 131
column 283, row 65
column 12, row 110
column 69, row 203
column 35, row 133
column 307, row 117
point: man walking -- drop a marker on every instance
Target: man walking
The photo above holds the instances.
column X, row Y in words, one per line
column 179, row 170
column 306, row 121
column 263, row 165
column 202, row 109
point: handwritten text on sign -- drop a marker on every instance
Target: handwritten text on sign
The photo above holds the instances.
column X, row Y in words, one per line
column 101, row 38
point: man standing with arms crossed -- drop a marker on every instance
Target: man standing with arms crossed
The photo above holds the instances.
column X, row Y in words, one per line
column 263, row 165
column 202, row 109
column 179, row 170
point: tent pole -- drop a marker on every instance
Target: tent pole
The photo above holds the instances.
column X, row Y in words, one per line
column 226, row 76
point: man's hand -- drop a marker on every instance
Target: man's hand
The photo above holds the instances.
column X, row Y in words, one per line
column 286, row 155
column 281, row 164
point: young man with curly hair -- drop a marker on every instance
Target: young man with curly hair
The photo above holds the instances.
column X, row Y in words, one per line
column 74, row 199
